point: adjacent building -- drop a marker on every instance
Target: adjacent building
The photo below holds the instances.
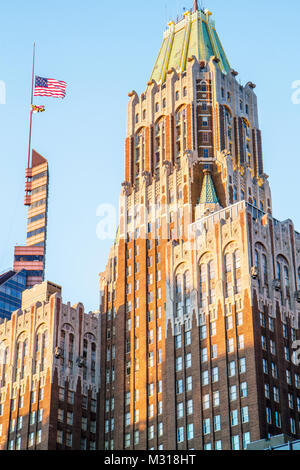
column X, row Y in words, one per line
column 200, row 296
column 49, row 374
column 32, row 257
column 12, row 285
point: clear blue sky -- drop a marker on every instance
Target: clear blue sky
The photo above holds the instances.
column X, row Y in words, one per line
column 103, row 50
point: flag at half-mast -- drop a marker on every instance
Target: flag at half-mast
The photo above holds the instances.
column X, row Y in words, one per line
column 49, row 87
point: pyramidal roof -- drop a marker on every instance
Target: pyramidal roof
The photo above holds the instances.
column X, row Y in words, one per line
column 208, row 192
column 194, row 35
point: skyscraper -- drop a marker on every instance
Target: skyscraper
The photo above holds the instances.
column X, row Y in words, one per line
column 32, row 257
column 200, row 296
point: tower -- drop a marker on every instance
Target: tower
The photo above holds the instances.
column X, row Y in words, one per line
column 31, row 257
column 200, row 296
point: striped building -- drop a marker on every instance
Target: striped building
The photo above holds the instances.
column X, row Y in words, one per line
column 32, row 257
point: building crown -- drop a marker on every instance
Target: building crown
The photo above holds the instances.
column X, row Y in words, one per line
column 193, row 35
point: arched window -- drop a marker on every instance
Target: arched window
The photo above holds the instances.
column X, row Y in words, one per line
column 228, row 263
column 180, row 132
column 187, row 291
column 71, row 352
column 265, row 269
column 202, row 290
column 159, row 145
column 178, row 294
column 93, row 362
column 211, row 277
column 237, row 259
column 278, row 270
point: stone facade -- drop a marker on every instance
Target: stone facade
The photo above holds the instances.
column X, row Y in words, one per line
column 49, row 374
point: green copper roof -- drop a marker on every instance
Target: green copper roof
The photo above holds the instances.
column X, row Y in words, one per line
column 194, row 35
column 208, row 193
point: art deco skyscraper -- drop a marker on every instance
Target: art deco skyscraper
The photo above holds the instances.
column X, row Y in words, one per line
column 200, row 296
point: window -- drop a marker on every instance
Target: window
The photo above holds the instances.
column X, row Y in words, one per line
column 274, row 370
column 233, row 393
column 189, row 383
column 59, row 437
column 206, row 402
column 293, row 426
column 214, row 351
column 276, row 394
column 189, row 407
column 245, row 414
column 235, row 443
column 30, row 439
column 265, row 366
column 243, row 391
column 190, row 431
column 291, row 401
column 179, row 386
column 204, row 356
column 213, row 329
column 277, row 419
column 69, row 439
column 127, row 440
column 18, row 443
column 127, row 419
column 231, row 369
column 288, row 377
column 230, row 345
column 268, row 416
column 203, row 332
column 217, row 423
column 240, row 342
column 188, row 360
column 70, row 418
column 215, row 374
column 178, row 341
column 180, row 434
column 234, row 420
column 267, row 390
column 205, row 377
column 206, row 426
column 218, row 445
column 264, row 343
column 242, row 365
column 187, row 338
column 179, row 410
column 229, row 322
column 216, row 399
column 246, row 439
column 272, row 347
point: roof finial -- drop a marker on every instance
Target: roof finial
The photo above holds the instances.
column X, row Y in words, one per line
column 196, row 5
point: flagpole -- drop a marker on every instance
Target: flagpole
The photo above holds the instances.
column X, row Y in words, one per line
column 31, row 103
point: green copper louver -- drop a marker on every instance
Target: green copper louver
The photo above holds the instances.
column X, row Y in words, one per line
column 208, row 193
column 194, row 35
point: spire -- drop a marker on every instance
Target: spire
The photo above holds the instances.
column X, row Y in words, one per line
column 193, row 35
column 208, row 193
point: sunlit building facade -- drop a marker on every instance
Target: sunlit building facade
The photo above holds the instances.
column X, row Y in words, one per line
column 49, row 374
column 200, row 296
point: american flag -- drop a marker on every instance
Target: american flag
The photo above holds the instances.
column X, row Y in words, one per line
column 49, row 87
